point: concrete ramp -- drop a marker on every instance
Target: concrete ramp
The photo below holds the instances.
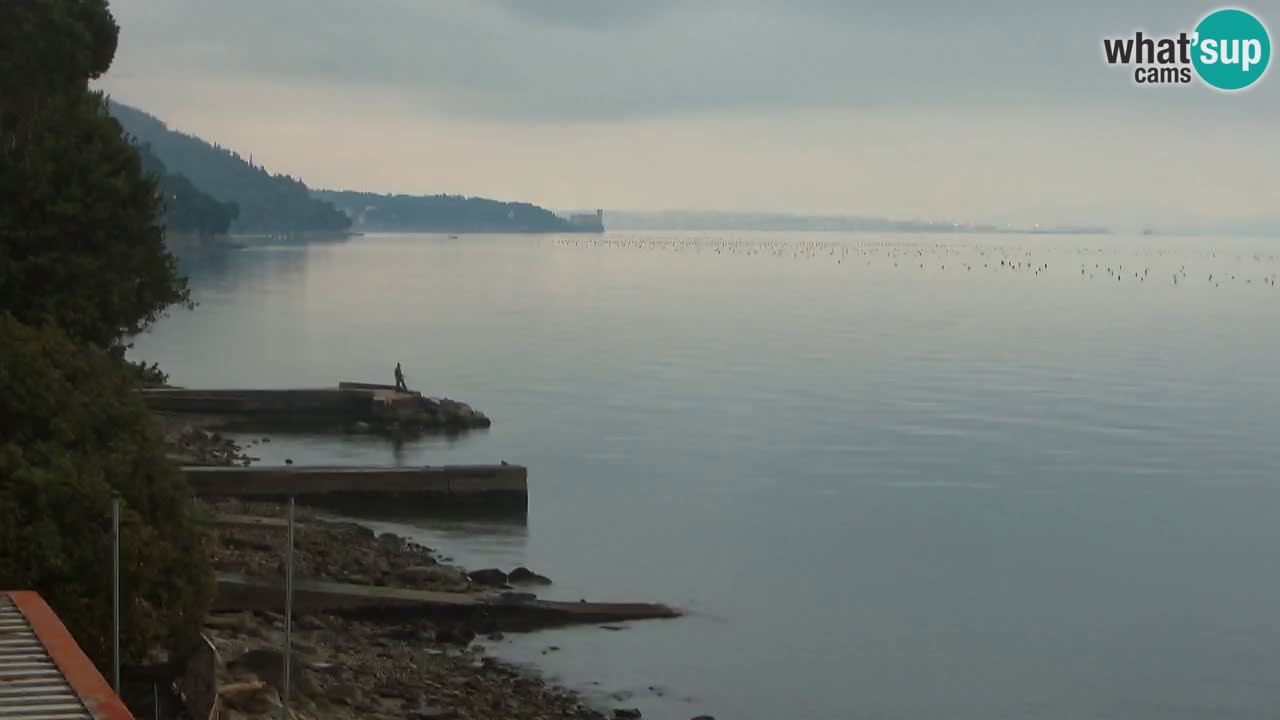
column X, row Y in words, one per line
column 496, row 485
column 510, row 610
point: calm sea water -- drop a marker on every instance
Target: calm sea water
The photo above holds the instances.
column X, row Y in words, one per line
column 889, row 476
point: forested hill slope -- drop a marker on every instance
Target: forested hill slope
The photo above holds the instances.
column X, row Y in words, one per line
column 187, row 209
column 267, row 203
column 443, row 213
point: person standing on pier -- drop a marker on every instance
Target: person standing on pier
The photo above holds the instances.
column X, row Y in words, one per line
column 400, row 384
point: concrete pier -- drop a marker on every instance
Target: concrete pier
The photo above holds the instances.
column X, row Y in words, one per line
column 498, row 485
column 510, row 610
column 349, row 405
column 302, row 404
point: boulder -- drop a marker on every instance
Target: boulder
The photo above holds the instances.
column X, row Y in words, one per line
column 525, row 576
column 626, row 714
column 252, row 700
column 344, row 694
column 459, row 634
column 227, row 621
column 489, row 577
column 424, row 574
column 268, row 664
column 310, row 622
column 431, row 712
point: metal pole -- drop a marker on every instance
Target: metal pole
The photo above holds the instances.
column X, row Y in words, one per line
column 115, row 591
column 288, row 615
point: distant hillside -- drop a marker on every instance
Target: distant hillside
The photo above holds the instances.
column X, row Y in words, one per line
column 267, row 203
column 445, row 213
column 187, row 209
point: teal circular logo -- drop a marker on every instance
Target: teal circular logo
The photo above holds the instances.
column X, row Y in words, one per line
column 1231, row 49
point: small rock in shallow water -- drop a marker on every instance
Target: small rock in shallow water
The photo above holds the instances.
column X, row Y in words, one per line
column 626, row 714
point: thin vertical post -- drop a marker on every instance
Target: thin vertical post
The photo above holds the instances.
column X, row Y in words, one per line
column 115, row 593
column 288, row 615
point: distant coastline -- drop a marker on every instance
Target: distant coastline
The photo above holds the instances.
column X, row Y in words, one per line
column 468, row 229
column 374, row 212
column 715, row 220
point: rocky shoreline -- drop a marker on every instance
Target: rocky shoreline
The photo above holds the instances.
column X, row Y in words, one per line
column 357, row 664
column 354, row 664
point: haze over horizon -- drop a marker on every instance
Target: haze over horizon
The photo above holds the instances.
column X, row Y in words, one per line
column 978, row 111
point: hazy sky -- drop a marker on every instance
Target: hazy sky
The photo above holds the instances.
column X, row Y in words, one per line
column 991, row 110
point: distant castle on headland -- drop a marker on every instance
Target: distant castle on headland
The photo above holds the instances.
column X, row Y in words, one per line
column 587, row 222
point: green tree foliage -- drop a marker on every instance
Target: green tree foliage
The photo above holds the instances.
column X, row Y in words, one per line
column 52, row 45
column 73, row 430
column 79, row 241
column 443, row 213
column 82, row 267
column 80, row 244
column 148, row 376
column 267, row 203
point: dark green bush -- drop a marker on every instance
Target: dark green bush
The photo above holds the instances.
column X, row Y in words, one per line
column 81, row 240
column 148, row 375
column 82, row 267
column 73, row 431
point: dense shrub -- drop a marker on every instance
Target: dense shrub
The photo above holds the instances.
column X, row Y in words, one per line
column 73, row 431
column 81, row 239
